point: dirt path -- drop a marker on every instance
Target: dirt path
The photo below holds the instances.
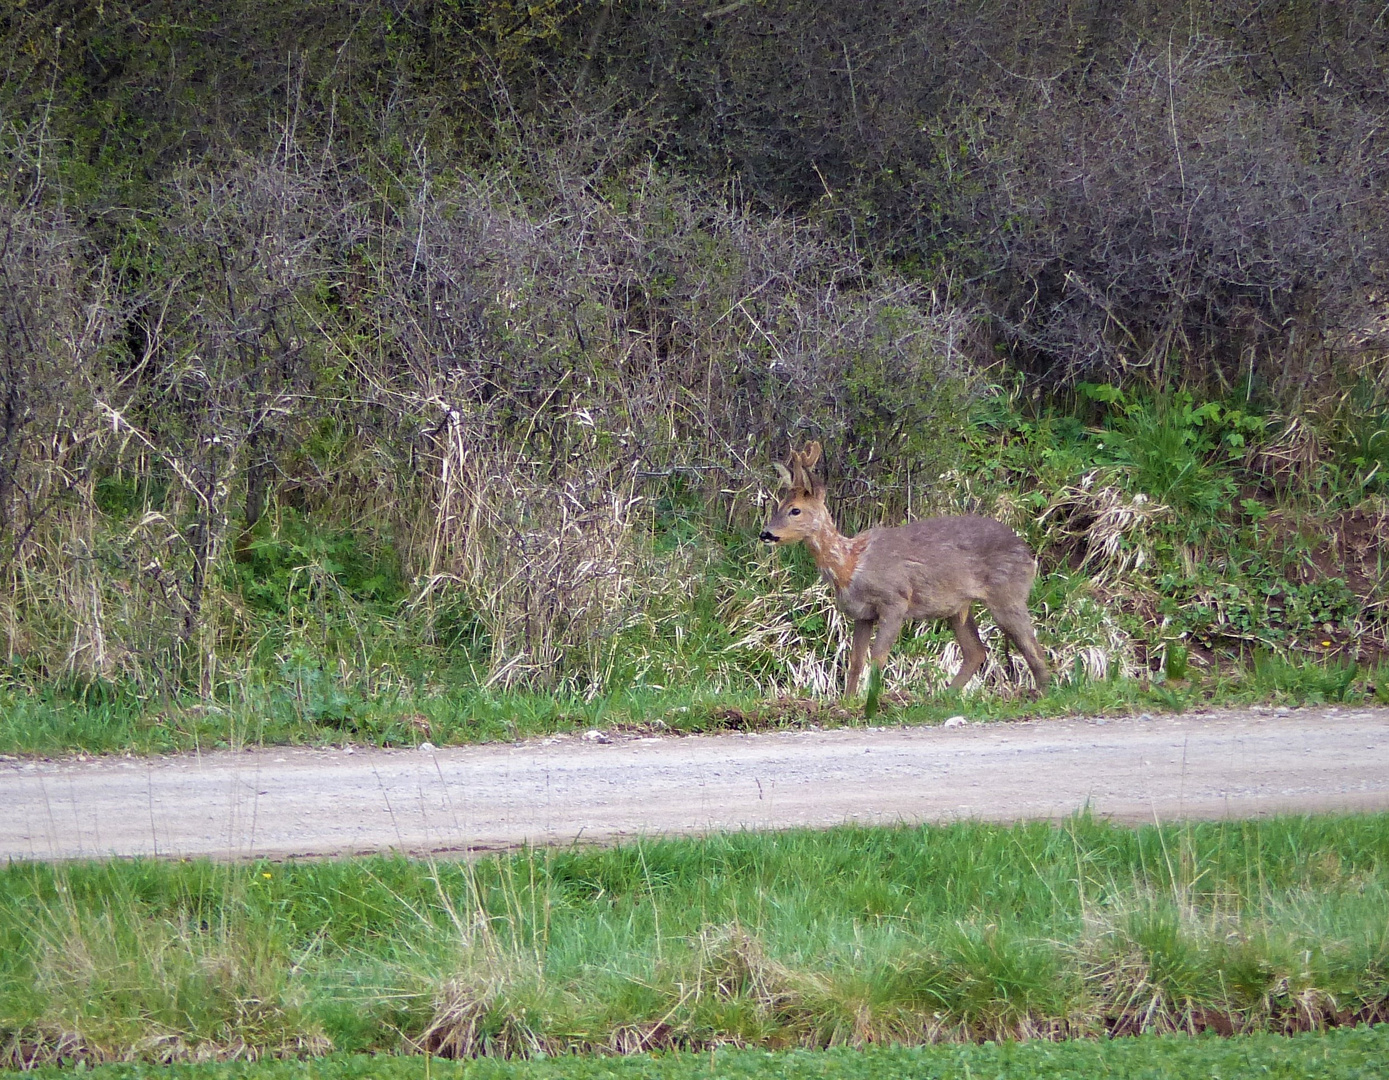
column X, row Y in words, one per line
column 281, row 802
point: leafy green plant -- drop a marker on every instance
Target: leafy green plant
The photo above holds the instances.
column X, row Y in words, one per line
column 1172, row 448
column 875, row 690
column 285, row 563
column 1174, row 660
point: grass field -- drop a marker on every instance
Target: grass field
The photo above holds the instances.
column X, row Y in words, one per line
column 110, row 720
column 852, row 937
column 1339, row 1054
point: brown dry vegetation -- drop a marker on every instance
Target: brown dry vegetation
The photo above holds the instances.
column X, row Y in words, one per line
column 345, row 346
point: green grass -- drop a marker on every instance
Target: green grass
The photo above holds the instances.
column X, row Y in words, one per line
column 55, row 722
column 851, row 937
column 1339, row 1054
column 108, row 718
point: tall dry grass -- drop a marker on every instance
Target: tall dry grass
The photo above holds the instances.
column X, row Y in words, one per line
column 517, row 381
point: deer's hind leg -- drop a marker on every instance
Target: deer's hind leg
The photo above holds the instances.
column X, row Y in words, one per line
column 1014, row 621
column 967, row 634
column 858, row 653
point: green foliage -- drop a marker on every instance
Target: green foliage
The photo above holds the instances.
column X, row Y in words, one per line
column 1333, row 681
column 1355, row 428
column 893, row 402
column 1174, row 450
column 120, row 495
column 1170, row 508
column 875, row 691
column 290, row 564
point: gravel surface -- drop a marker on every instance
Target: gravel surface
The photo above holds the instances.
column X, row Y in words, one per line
column 282, row 802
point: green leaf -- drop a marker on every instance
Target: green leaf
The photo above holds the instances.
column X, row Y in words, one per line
column 875, row 690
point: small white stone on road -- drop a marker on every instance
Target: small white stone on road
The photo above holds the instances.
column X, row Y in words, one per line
column 594, row 735
column 426, row 746
column 955, row 721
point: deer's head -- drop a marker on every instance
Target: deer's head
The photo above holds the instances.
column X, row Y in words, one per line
column 801, row 511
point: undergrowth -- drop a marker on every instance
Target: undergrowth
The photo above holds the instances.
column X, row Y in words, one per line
column 1189, row 556
column 362, row 367
column 851, row 937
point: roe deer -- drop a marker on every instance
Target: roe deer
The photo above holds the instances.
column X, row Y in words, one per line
column 932, row 569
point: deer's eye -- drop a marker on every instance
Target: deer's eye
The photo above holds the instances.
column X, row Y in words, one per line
column 795, row 510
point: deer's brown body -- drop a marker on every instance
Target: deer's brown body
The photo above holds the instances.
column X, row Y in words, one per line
column 932, row 569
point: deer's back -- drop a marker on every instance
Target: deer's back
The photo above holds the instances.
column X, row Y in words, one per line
column 937, row 566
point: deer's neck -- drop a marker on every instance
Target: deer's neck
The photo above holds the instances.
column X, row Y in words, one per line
column 835, row 554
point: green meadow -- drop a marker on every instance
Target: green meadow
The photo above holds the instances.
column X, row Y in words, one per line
column 854, row 937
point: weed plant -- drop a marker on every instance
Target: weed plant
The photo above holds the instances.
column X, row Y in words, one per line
column 851, row 937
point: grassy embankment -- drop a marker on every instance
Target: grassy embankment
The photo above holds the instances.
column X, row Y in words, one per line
column 50, row 721
column 852, row 937
column 1339, row 1054
column 1171, row 578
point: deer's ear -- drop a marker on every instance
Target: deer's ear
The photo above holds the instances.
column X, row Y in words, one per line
column 797, row 478
column 810, row 456
column 783, row 473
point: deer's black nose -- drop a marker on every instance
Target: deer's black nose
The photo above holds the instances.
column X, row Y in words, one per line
column 770, row 537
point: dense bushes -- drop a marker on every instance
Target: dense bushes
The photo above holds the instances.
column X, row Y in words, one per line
column 456, row 336
column 1189, row 190
column 1192, row 191
column 501, row 380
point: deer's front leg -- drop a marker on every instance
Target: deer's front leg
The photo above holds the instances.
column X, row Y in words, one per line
column 863, row 633
column 889, row 626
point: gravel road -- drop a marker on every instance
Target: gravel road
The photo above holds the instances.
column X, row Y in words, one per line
column 298, row 802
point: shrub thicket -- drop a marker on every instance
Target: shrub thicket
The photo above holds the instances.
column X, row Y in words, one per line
column 502, row 381
column 1185, row 191
column 347, row 344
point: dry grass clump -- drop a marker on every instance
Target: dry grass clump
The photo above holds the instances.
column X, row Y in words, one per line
column 111, row 985
column 1111, row 529
column 723, row 990
column 732, row 982
column 1165, row 967
column 475, row 1016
